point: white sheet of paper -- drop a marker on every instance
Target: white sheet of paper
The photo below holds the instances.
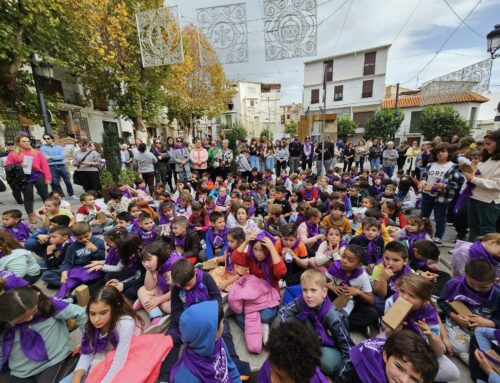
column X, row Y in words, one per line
column 27, row 164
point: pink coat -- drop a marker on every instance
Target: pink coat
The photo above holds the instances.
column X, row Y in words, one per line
column 250, row 294
column 40, row 164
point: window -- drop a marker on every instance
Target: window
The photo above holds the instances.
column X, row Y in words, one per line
column 314, row 96
column 51, row 86
column 282, row 119
column 369, row 67
column 360, row 118
column 338, row 93
column 367, row 89
column 253, row 103
column 328, row 65
column 473, row 114
column 415, row 120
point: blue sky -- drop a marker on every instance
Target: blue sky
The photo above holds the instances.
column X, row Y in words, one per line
column 360, row 24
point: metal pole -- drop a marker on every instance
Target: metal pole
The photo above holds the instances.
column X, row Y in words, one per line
column 268, row 119
column 41, row 99
column 324, row 119
column 396, row 108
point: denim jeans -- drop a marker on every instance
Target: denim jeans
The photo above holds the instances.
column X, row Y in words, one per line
column 428, row 204
column 58, row 172
column 254, row 162
column 294, row 164
column 271, row 164
column 375, row 163
column 389, row 170
column 266, row 316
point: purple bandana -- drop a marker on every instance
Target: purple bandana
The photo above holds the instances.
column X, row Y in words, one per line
column 336, row 271
column 295, row 245
column 163, row 218
column 221, row 201
column 368, row 361
column 127, row 193
column 457, row 289
column 391, row 282
column 312, row 229
column 12, row 280
column 76, row 277
column 299, row 219
column 146, row 237
column 217, row 239
column 427, row 312
column 113, row 257
column 307, row 149
column 32, row 343
column 20, row 232
column 98, row 343
column 346, row 182
column 317, row 317
column 466, row 194
column 163, row 284
column 265, row 264
column 198, row 293
column 229, row 262
column 265, row 374
column 371, row 256
column 345, row 201
column 181, row 242
column 308, row 194
column 211, row 369
column 477, row 251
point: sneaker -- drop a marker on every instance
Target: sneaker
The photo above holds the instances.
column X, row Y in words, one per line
column 282, row 284
column 137, row 305
column 74, row 197
column 265, row 333
column 437, row 241
column 158, row 325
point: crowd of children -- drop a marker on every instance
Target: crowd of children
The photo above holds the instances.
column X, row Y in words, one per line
column 314, row 257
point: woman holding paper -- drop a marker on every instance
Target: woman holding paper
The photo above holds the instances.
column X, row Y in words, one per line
column 37, row 172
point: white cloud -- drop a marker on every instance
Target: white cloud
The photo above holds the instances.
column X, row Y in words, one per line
column 370, row 23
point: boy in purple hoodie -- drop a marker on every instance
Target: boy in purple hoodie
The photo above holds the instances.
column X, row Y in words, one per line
column 12, row 224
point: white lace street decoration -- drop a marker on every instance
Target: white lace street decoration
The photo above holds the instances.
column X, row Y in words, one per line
column 226, row 28
column 160, row 37
column 290, row 28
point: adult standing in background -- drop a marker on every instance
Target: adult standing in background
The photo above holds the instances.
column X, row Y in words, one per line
column 325, row 152
column 87, row 162
column 282, row 157
column 126, row 156
column 180, row 155
column 37, row 172
column 374, row 154
column 161, row 153
column 295, row 151
column 389, row 159
column 54, row 154
column 307, row 153
column 199, row 158
column 402, row 149
column 254, row 153
column 348, row 156
column 225, row 157
column 145, row 163
column 171, row 164
column 422, row 161
column 412, row 154
column 213, row 162
column 483, row 207
column 361, row 150
column 262, row 153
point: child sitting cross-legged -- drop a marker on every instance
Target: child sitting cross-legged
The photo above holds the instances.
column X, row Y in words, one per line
column 330, row 250
column 337, row 218
column 403, row 357
column 315, row 309
column 294, row 252
column 294, row 355
column 371, row 241
column 185, row 239
column 423, row 321
column 478, row 292
column 15, row 259
column 387, row 272
column 12, row 224
column 92, row 214
column 39, row 240
column 216, row 236
column 350, row 281
column 190, row 287
column 52, row 208
column 274, row 221
column 206, row 357
column 59, row 241
column 145, row 229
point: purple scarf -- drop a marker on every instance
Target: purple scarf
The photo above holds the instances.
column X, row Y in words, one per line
column 284, row 178
column 198, row 293
column 368, row 361
column 127, row 194
column 217, row 239
column 370, row 249
column 181, row 242
column 229, row 261
column 211, row 369
column 336, row 271
column 299, row 219
column 34, row 176
column 20, row 232
column 76, row 277
column 113, row 257
column 317, row 317
column 346, row 182
column 466, row 194
column 12, row 280
column 146, row 238
column 221, row 201
column 477, row 251
column 32, row 343
column 391, row 282
column 427, row 312
column 377, row 189
column 265, row 374
column 163, row 284
column 312, row 229
column 98, row 343
column 307, row 149
column 345, row 201
column 457, row 289
column 295, row 245
column 308, row 194
column 265, row 264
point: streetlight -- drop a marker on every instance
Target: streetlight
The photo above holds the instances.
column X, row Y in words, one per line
column 494, row 41
column 41, row 69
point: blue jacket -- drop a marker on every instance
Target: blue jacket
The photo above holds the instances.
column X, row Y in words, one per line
column 198, row 326
column 56, row 154
column 78, row 255
column 210, row 251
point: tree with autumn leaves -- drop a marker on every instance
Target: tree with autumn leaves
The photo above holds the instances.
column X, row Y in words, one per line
column 97, row 41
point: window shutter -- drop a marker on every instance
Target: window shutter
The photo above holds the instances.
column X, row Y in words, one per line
column 367, row 89
column 369, row 67
column 328, row 65
column 338, row 93
column 314, row 96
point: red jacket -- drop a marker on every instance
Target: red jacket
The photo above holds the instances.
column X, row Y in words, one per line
column 278, row 270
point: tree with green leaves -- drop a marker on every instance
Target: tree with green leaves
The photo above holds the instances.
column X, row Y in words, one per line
column 111, row 150
column 291, row 128
column 236, row 132
column 443, row 121
column 266, row 133
column 383, row 124
column 346, row 127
